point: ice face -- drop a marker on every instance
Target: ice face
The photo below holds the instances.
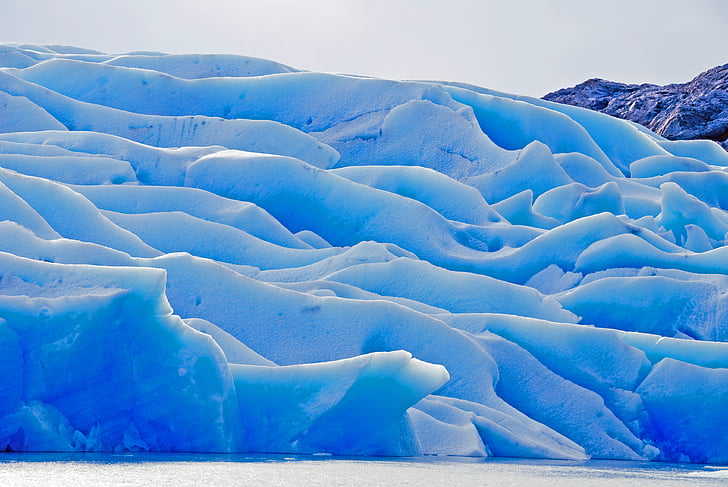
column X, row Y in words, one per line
column 220, row 253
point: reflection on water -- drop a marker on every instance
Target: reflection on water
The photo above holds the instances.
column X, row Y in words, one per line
column 165, row 469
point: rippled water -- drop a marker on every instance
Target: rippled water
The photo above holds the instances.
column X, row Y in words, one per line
column 280, row 470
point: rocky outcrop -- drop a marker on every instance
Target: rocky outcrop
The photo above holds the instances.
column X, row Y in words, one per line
column 697, row 109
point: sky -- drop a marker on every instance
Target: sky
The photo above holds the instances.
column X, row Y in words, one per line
column 528, row 47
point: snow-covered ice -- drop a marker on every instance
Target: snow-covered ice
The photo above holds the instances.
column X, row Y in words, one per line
column 223, row 253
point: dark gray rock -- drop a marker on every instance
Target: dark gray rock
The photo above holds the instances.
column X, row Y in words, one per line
column 697, row 109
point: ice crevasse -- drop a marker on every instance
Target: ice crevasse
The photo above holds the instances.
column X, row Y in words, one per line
column 222, row 253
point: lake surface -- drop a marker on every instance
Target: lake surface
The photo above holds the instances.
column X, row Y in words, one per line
column 282, row 470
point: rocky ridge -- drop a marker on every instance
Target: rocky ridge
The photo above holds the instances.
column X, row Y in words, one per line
column 697, row 109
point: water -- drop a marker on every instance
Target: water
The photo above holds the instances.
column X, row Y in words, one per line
column 281, row 470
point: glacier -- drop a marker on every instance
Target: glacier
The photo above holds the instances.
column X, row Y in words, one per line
column 220, row 253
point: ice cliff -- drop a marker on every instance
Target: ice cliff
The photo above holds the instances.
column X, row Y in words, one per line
column 697, row 109
column 222, row 253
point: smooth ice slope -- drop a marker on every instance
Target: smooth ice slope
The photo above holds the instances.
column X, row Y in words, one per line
column 222, row 253
column 103, row 358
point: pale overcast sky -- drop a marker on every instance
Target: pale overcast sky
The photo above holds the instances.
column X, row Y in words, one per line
column 520, row 46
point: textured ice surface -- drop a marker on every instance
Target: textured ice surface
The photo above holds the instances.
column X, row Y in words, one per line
column 221, row 253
